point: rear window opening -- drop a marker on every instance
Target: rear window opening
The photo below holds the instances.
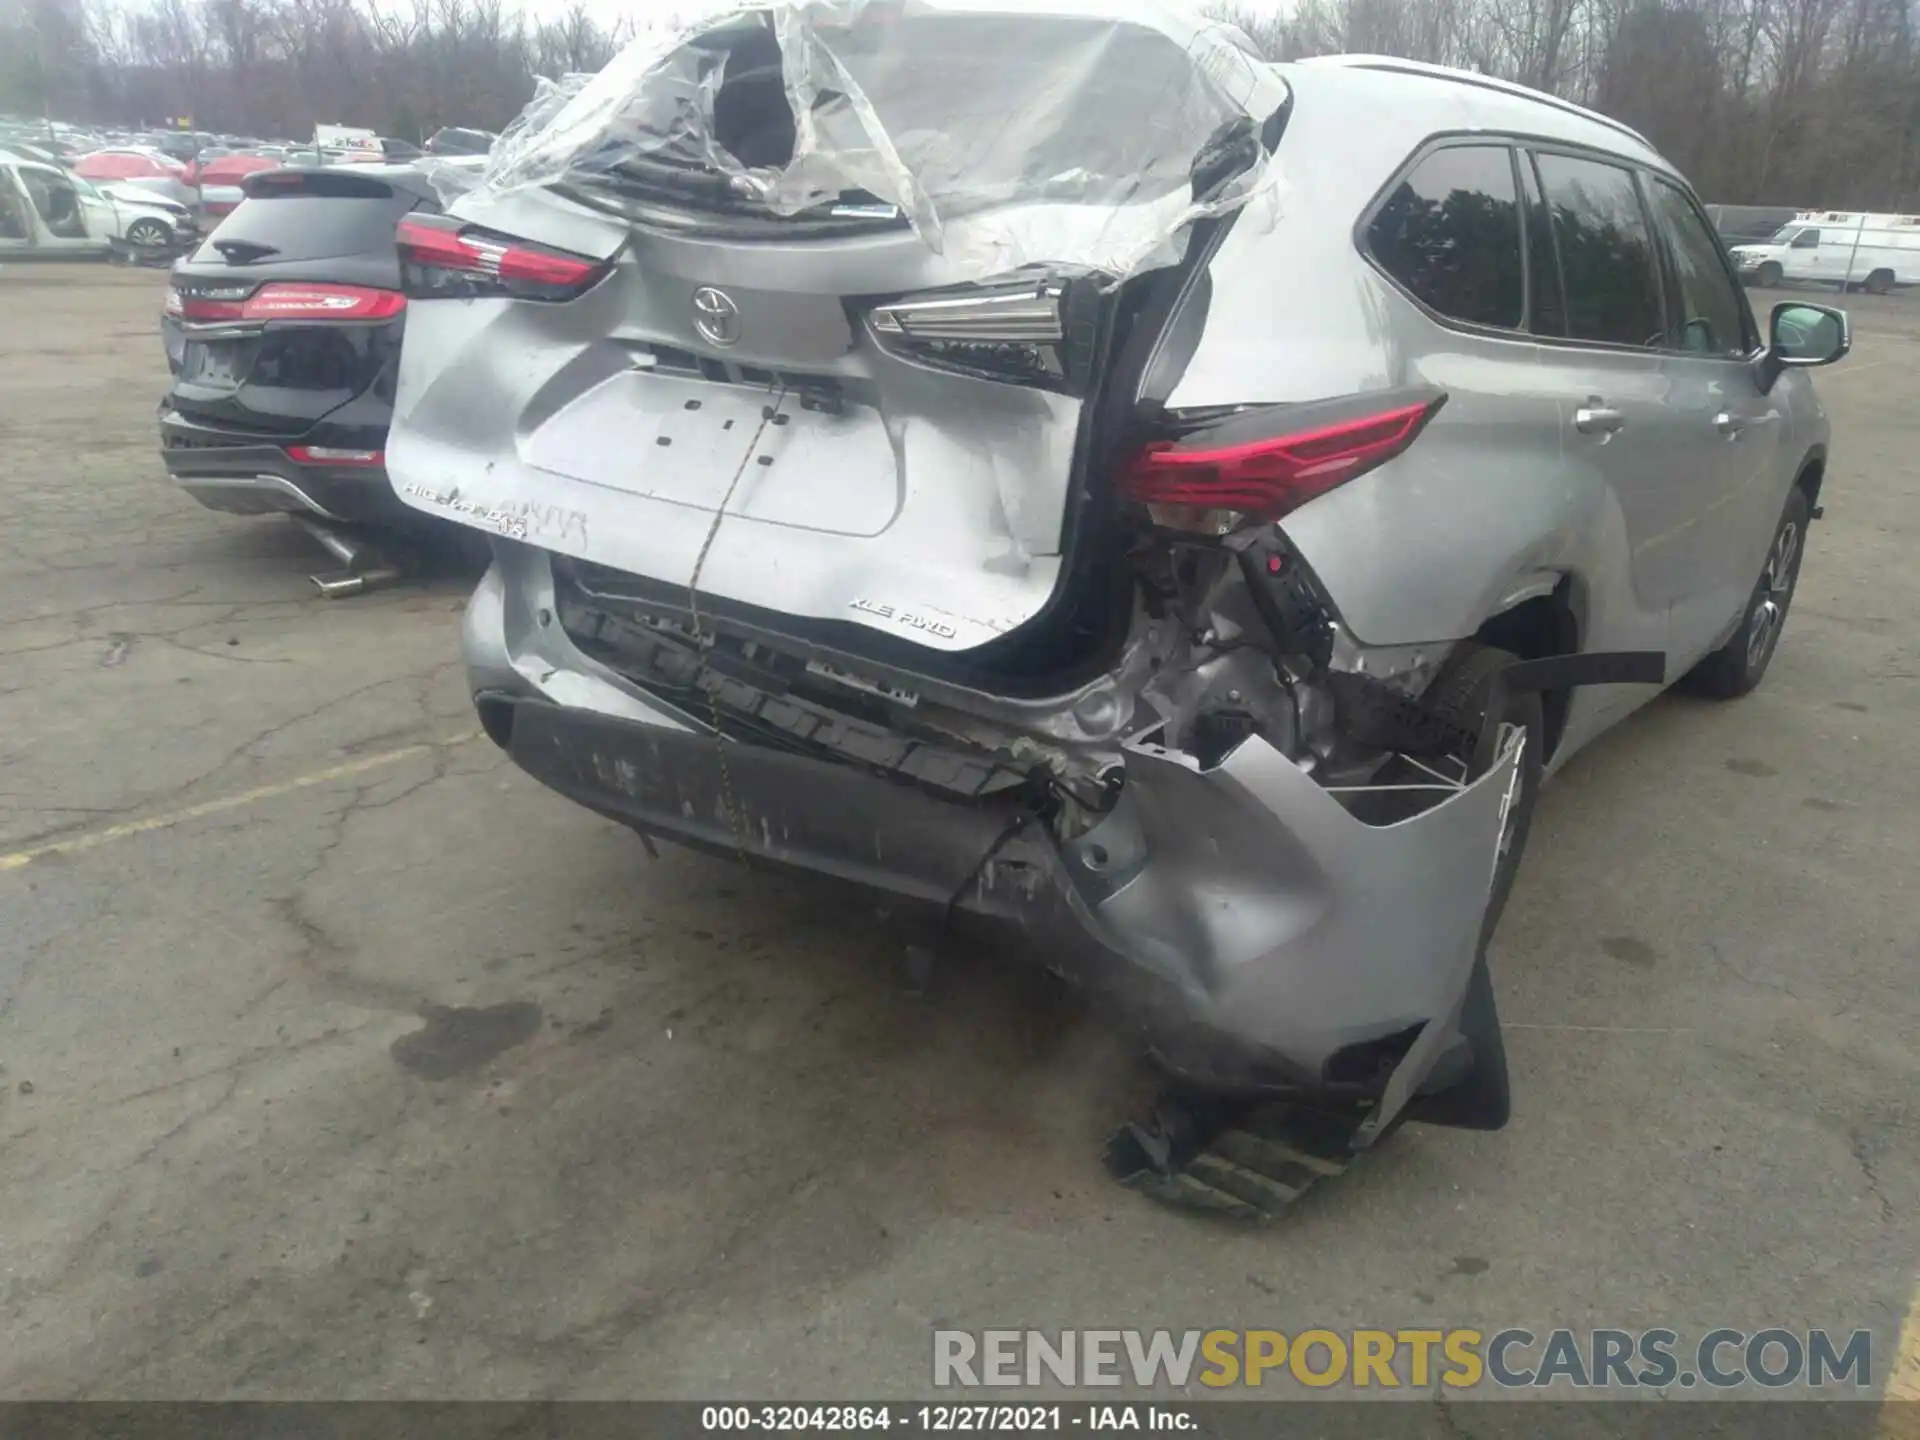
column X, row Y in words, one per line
column 982, row 110
column 752, row 117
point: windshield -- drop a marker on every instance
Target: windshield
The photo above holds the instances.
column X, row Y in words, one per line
column 1785, row 234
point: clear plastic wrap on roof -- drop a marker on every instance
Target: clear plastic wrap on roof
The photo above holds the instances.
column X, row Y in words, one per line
column 1062, row 132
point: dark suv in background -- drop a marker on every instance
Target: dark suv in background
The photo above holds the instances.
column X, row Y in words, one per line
column 283, row 333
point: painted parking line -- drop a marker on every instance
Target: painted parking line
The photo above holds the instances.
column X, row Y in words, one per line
column 127, row 830
column 1849, row 367
column 1900, row 1415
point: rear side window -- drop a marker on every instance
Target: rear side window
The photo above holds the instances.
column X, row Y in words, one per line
column 1606, row 252
column 1712, row 320
column 311, row 227
column 1450, row 233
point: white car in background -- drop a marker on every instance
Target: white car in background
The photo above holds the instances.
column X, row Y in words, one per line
column 47, row 211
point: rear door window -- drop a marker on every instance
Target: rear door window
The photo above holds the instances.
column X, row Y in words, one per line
column 1450, row 233
column 1606, row 252
column 1712, row 321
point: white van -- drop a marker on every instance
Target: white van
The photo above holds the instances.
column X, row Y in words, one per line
column 1850, row 247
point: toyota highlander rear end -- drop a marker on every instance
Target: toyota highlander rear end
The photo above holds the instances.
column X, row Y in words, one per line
column 283, row 332
column 813, row 373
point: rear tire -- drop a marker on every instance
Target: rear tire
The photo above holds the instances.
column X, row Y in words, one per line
column 1459, row 694
column 1880, row 282
column 1738, row 666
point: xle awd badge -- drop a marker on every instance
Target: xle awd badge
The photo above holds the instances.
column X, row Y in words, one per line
column 908, row 618
column 715, row 316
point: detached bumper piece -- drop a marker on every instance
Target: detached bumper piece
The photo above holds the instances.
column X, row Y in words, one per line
column 1225, row 1157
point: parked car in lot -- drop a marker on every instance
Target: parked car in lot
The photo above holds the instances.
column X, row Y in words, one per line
column 39, row 154
column 219, row 180
column 1851, row 248
column 1739, row 224
column 47, row 211
column 149, row 169
column 1184, row 534
column 458, row 140
column 283, row 332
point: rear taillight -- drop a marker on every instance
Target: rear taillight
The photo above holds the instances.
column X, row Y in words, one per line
column 289, row 300
column 293, row 301
column 1037, row 332
column 442, row 259
column 332, row 455
column 1214, row 472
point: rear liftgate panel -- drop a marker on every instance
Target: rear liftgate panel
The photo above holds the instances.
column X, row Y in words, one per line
column 837, row 371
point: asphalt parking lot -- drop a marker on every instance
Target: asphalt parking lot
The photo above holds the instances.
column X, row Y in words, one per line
column 339, row 1059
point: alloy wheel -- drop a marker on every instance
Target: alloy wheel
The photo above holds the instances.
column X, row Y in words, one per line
column 1776, row 589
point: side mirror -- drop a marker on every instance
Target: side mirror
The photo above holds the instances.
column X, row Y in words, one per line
column 1801, row 335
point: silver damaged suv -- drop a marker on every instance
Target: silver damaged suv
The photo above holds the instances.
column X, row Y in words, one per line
column 1048, row 465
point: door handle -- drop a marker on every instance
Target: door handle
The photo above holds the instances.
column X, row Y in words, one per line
column 1732, row 425
column 1596, row 419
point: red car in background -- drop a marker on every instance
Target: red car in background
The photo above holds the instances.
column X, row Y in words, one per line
column 219, row 181
column 149, row 169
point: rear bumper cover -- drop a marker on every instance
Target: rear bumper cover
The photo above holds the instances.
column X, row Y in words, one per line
column 1241, row 908
column 243, row 476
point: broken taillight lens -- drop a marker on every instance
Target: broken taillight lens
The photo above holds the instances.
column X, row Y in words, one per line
column 1266, row 476
column 440, row 258
column 1033, row 332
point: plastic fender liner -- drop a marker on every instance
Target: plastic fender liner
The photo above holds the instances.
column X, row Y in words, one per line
column 1602, row 667
column 1568, row 672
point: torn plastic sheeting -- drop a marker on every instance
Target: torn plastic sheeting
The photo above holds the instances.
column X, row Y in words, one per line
column 1007, row 135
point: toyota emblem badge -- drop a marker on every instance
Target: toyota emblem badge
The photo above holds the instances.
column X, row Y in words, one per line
column 715, row 316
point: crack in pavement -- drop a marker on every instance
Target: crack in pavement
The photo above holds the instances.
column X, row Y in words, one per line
column 233, row 756
column 322, row 954
column 85, row 1250
column 1857, row 1143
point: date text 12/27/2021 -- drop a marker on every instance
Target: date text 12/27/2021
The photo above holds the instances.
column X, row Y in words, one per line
column 979, row 1419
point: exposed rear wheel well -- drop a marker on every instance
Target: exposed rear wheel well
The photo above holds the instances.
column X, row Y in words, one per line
column 1533, row 630
column 1811, row 474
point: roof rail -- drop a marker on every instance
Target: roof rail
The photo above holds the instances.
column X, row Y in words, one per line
column 1484, row 82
